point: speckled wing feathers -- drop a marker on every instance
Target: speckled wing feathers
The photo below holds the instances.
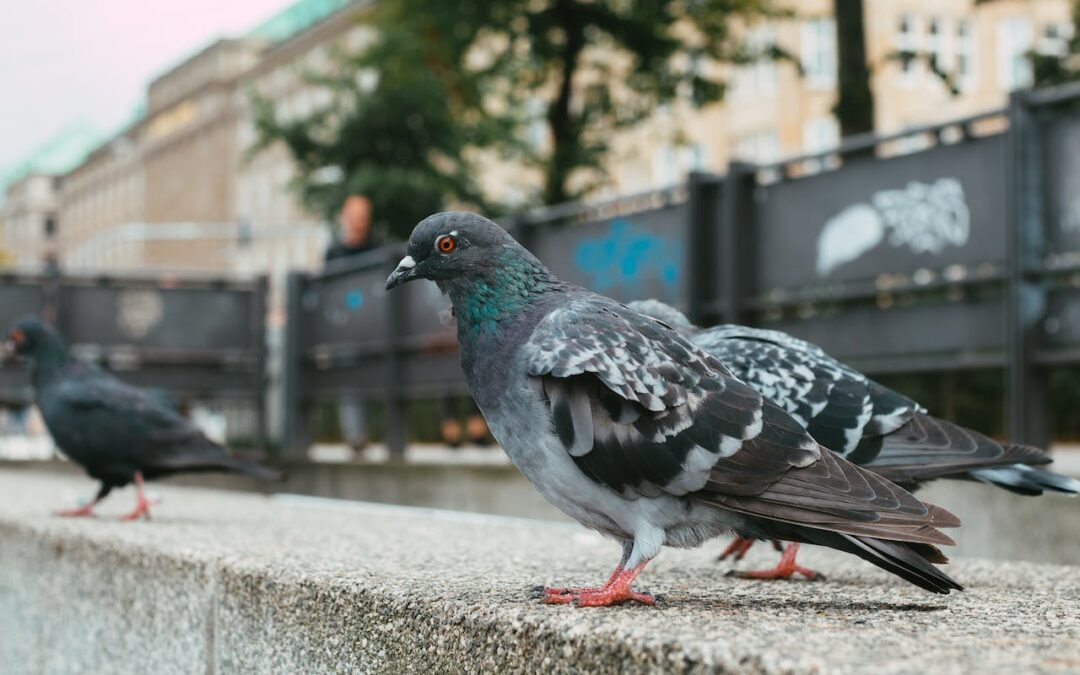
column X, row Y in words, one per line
column 668, row 418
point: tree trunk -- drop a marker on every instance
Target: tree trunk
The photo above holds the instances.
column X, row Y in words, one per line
column 855, row 101
column 565, row 130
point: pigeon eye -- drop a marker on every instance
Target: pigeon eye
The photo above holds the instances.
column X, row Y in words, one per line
column 446, row 244
column 17, row 337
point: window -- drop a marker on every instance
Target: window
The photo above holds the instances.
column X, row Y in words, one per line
column 762, row 147
column 1055, row 39
column 905, row 44
column 758, row 78
column 1014, row 42
column 964, row 66
column 665, row 167
column 936, row 45
column 819, row 53
column 820, row 134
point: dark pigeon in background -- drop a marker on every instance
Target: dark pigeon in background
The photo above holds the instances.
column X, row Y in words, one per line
column 118, row 433
column 865, row 422
column 626, row 426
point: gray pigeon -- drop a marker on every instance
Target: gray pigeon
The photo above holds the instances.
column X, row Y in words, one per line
column 632, row 430
column 862, row 420
column 118, row 433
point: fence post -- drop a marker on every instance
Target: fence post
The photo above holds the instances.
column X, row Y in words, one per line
column 396, row 311
column 261, row 374
column 294, row 436
column 703, row 200
column 1027, row 412
column 736, row 222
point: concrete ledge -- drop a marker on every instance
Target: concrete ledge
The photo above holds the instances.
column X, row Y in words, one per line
column 229, row 583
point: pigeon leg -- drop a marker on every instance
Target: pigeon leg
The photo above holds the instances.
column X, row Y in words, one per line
column 617, row 592
column 142, row 504
column 86, row 510
column 561, row 596
column 738, row 548
column 785, row 569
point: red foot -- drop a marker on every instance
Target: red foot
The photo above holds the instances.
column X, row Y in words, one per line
column 615, row 592
column 142, row 510
column 81, row 512
column 785, row 569
column 738, row 547
column 142, row 504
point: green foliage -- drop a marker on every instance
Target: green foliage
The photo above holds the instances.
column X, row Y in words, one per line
column 599, row 66
column 1051, row 70
column 462, row 76
column 400, row 119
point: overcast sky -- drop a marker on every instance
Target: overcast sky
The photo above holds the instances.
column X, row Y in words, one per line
column 68, row 61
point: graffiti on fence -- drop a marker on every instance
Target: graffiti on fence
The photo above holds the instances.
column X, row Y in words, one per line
column 629, row 256
column 924, row 218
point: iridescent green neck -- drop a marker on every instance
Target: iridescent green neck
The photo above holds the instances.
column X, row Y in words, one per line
column 506, row 289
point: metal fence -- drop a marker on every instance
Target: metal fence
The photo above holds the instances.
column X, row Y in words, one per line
column 194, row 338
column 961, row 254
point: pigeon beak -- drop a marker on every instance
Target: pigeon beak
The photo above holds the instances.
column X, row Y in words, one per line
column 405, row 271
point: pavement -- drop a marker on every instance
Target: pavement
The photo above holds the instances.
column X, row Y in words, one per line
column 229, row 583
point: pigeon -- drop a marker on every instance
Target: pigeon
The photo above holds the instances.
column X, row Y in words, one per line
column 632, row 430
column 118, row 433
column 860, row 419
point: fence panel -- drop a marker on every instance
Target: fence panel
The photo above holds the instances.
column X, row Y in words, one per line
column 931, row 209
column 628, row 257
column 19, row 296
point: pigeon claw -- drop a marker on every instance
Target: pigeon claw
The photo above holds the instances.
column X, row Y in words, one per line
column 737, row 548
column 563, row 596
column 785, row 569
column 615, row 592
column 86, row 511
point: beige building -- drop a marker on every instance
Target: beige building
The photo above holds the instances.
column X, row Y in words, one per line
column 29, row 219
column 772, row 112
column 181, row 188
column 98, row 198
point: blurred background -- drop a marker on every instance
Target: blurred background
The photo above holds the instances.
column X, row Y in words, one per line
column 207, row 197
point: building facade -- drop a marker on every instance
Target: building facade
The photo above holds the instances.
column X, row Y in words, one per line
column 184, row 189
column 29, row 220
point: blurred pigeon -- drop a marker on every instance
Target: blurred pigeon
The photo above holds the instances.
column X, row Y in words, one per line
column 865, row 422
column 627, row 427
column 118, row 433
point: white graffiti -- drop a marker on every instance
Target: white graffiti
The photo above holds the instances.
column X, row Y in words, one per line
column 848, row 235
column 924, row 218
column 139, row 312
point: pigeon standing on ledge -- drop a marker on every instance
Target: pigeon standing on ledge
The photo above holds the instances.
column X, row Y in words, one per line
column 118, row 433
column 627, row 427
column 863, row 421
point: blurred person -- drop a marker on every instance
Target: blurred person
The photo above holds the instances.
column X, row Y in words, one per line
column 453, row 432
column 354, row 237
column 355, row 234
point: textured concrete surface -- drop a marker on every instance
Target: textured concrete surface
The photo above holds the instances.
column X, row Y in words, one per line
column 232, row 583
column 998, row 524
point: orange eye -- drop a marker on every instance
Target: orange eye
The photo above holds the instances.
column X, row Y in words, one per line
column 17, row 336
column 446, row 244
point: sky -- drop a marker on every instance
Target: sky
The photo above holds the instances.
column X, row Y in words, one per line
column 70, row 62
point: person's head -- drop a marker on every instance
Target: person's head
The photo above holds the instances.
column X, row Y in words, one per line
column 356, row 220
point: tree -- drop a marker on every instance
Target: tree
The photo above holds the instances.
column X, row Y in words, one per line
column 854, row 107
column 600, row 66
column 401, row 118
column 1053, row 69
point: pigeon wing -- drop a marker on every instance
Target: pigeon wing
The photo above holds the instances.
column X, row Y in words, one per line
column 643, row 411
column 840, row 407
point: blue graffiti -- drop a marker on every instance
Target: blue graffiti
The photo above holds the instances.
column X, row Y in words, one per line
column 354, row 299
column 629, row 256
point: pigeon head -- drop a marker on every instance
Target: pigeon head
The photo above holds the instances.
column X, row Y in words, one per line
column 31, row 338
column 451, row 246
column 487, row 274
column 665, row 313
